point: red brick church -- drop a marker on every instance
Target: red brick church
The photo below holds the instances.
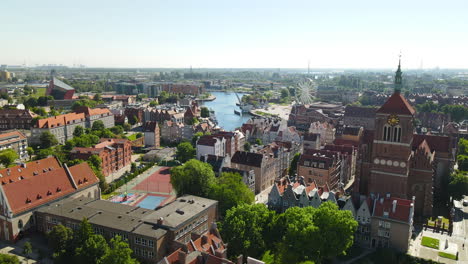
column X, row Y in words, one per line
column 394, row 160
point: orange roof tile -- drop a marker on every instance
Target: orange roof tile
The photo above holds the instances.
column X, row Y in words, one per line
column 41, row 182
column 59, row 120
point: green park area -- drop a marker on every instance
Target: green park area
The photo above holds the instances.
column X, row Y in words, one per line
column 447, row 255
column 430, row 242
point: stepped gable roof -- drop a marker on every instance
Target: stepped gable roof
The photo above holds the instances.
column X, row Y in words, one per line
column 402, row 209
column 43, row 181
column 59, row 120
column 436, row 143
column 247, row 158
column 396, row 104
column 358, row 111
column 150, row 126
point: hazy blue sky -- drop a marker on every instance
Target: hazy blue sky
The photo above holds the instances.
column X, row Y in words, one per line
column 236, row 33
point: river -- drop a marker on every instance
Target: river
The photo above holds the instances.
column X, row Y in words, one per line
column 224, row 106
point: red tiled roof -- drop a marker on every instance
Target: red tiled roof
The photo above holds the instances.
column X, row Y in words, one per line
column 59, row 120
column 41, row 182
column 397, row 104
column 402, row 210
column 436, row 143
column 11, row 136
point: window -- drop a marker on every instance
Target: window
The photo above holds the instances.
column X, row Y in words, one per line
column 20, row 224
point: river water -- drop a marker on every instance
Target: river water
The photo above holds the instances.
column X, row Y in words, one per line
column 224, row 106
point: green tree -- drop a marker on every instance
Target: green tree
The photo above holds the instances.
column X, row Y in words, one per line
column 205, row 112
column 284, row 93
column 119, row 253
column 98, row 126
column 185, row 151
column 458, row 186
column 127, row 127
column 92, row 250
column 78, row 131
column 231, row 191
column 9, row 259
column 48, row 140
column 153, row 103
column 118, row 130
column 196, row 137
column 293, row 167
column 462, row 161
column 194, row 177
column 244, row 229
column 247, row 146
column 27, row 249
column 59, row 237
column 8, row 156
column 258, row 141
column 95, row 161
column 97, row 97
column 84, row 232
column 457, row 112
column 44, row 153
column 463, row 146
column 30, row 151
column 133, row 120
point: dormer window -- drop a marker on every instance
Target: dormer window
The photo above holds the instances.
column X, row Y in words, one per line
column 59, row 189
column 39, row 196
column 28, row 201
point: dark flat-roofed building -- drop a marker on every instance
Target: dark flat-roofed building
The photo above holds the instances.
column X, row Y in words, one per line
column 152, row 235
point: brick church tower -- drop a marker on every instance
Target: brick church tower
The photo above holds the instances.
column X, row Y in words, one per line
column 398, row 167
column 391, row 150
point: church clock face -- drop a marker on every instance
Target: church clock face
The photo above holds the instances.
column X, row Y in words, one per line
column 393, row 120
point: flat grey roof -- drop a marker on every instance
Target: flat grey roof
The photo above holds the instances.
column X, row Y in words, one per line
column 179, row 211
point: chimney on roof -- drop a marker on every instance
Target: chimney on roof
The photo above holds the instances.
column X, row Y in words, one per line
column 394, row 203
column 160, row 221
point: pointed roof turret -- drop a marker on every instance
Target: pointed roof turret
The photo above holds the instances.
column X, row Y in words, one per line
column 398, row 77
column 397, row 104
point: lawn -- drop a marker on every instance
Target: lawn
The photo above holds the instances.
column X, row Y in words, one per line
column 132, row 137
column 107, row 196
column 430, row 242
column 447, row 255
column 40, row 92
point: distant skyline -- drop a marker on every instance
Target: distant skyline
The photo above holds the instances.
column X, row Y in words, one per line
column 236, row 34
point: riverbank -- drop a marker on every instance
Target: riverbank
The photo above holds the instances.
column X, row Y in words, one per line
column 281, row 111
column 210, row 98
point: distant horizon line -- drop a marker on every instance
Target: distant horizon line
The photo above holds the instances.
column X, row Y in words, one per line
column 228, row 68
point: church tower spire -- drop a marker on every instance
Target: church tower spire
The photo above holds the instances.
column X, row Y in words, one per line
column 398, row 78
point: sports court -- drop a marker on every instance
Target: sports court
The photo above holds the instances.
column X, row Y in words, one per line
column 153, row 201
column 158, row 182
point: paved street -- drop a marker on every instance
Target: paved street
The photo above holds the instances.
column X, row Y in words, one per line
column 458, row 237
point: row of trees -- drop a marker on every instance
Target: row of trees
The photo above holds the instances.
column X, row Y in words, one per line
column 84, row 246
column 457, row 112
column 295, row 236
column 458, row 185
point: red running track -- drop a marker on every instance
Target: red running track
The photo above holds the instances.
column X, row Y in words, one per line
column 156, row 182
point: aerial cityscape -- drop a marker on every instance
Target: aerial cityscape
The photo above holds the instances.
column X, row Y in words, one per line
column 255, row 132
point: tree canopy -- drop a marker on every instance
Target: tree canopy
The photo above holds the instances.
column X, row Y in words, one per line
column 458, row 185
column 194, row 177
column 48, row 139
column 205, row 112
column 8, row 156
column 185, row 151
column 245, row 227
column 231, row 191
